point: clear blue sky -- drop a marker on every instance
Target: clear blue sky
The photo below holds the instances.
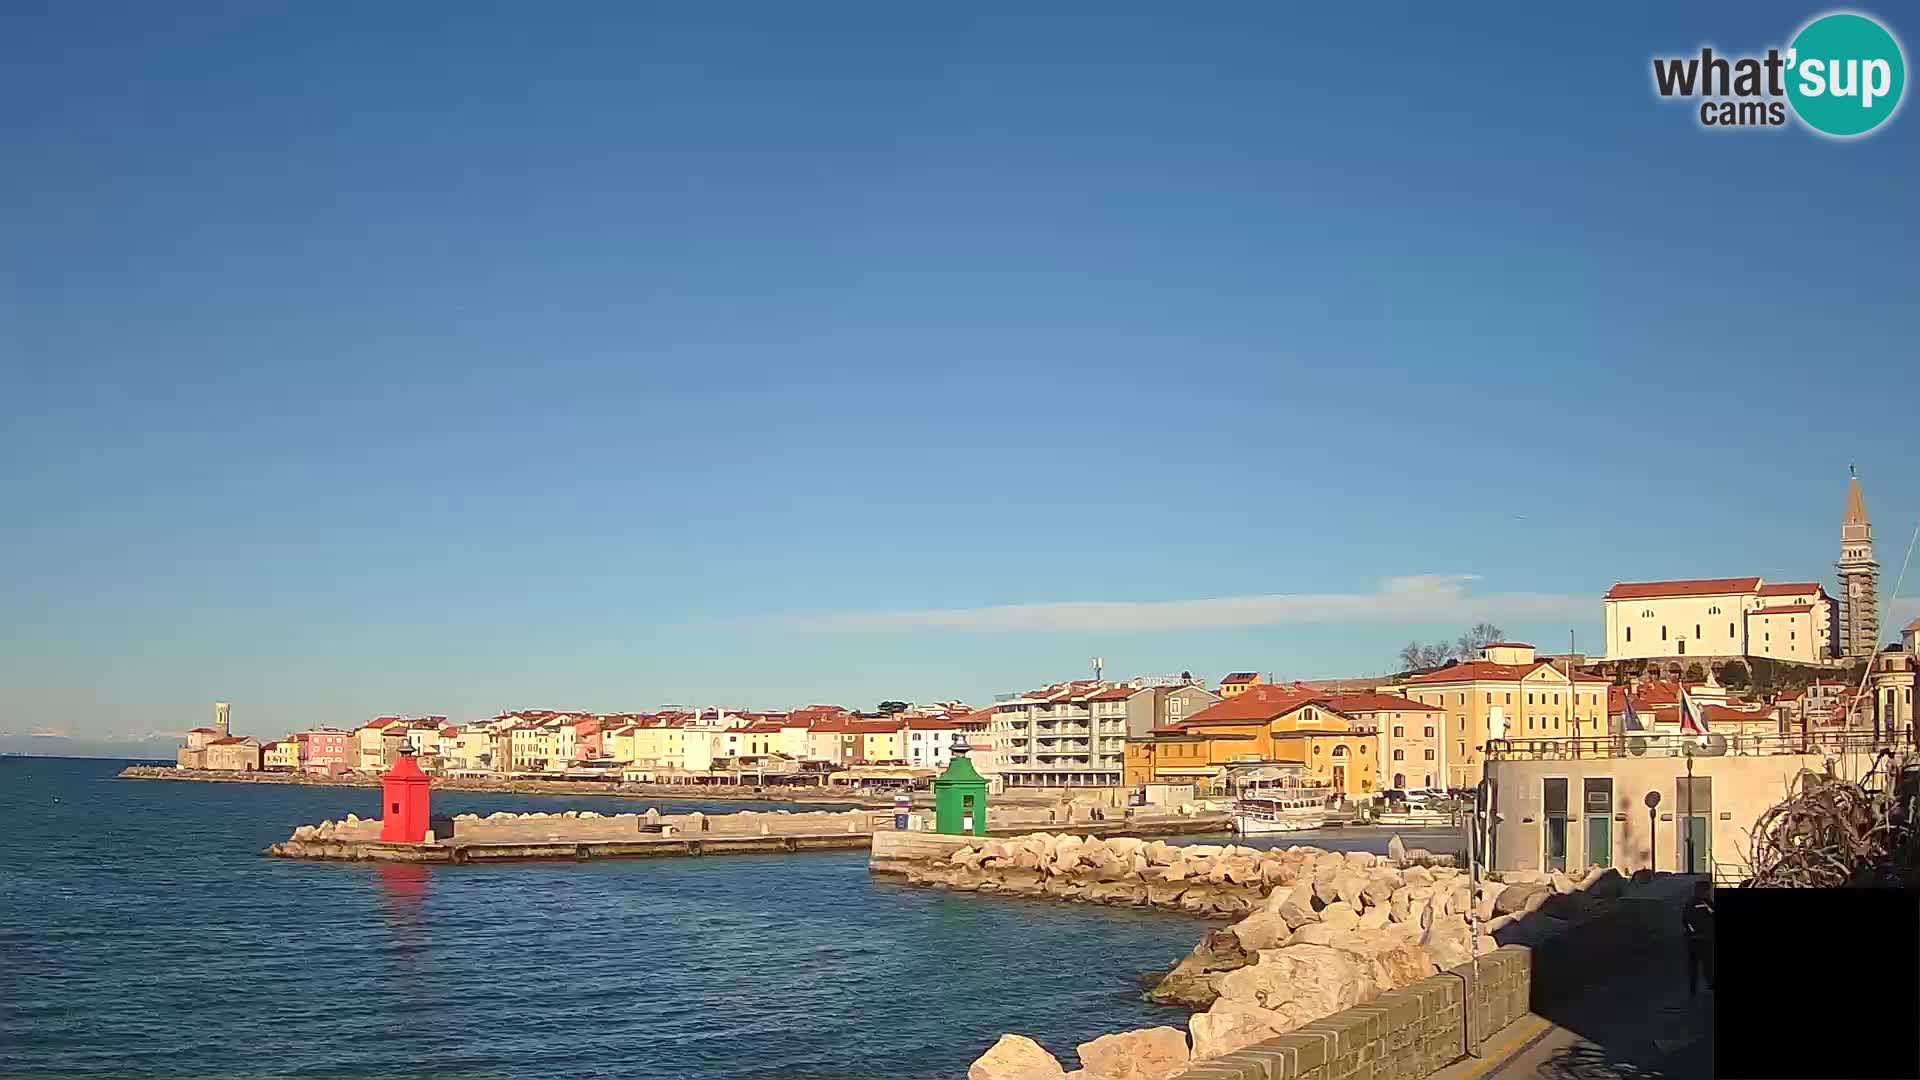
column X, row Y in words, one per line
column 436, row 357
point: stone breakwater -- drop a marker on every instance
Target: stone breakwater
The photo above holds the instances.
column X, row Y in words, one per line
column 585, row 834
column 679, row 792
column 1200, row 879
column 1334, row 931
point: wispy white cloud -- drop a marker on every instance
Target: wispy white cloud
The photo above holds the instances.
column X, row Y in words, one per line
column 1424, row 598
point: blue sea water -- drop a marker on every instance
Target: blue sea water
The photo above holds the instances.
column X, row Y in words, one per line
column 141, row 935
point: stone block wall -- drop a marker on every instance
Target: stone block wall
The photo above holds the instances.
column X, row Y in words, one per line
column 1403, row 1034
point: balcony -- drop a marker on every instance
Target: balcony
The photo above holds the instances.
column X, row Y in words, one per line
column 1659, row 744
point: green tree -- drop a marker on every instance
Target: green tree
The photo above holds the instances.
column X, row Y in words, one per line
column 1695, row 673
column 888, row 708
column 1734, row 676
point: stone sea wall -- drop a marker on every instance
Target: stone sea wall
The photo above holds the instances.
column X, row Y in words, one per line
column 1355, row 937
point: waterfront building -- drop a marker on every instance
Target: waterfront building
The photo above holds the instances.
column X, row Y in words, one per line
column 928, row 741
column 1565, row 804
column 327, row 751
column 1505, row 692
column 1238, row 683
column 1262, row 733
column 1719, row 618
column 1154, row 703
column 234, row 754
column 1407, row 735
column 281, row 755
column 1062, row 737
column 193, row 752
column 378, row 742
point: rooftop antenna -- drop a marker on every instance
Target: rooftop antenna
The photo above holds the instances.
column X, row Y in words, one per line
column 1098, row 664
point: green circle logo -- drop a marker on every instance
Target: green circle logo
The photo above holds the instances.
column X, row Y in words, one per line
column 1845, row 74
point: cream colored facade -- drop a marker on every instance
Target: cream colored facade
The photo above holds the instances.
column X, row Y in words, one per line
column 1506, row 693
column 1719, row 617
column 1602, row 810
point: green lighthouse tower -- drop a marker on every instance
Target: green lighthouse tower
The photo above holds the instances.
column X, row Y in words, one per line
column 960, row 796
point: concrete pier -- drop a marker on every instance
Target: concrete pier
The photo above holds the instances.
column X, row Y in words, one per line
column 662, row 847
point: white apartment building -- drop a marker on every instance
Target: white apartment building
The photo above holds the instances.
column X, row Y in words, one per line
column 1070, row 734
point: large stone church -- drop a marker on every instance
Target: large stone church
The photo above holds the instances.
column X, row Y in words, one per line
column 1722, row 618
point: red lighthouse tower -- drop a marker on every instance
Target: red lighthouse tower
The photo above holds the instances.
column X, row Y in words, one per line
column 403, row 801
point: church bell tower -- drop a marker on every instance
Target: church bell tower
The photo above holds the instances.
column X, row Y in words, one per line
column 1859, row 577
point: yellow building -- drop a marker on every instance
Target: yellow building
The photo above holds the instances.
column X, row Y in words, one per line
column 1506, row 693
column 283, row 755
column 1261, row 726
column 1239, row 683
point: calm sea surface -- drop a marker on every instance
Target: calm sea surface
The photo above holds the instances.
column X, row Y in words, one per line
column 142, row 936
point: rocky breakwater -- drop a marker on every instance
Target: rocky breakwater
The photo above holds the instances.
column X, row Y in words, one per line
column 1201, row 879
column 1341, row 931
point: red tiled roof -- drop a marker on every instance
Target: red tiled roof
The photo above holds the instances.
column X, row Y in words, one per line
column 872, row 727
column 202, row 731
column 1374, row 701
column 1789, row 588
column 1506, row 645
column 1257, row 705
column 1115, row 693
column 1647, row 590
column 1487, row 670
column 933, row 723
column 231, row 740
column 1784, row 609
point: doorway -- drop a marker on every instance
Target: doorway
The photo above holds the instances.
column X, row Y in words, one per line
column 1554, row 796
column 1597, row 808
column 1340, row 780
column 1693, row 832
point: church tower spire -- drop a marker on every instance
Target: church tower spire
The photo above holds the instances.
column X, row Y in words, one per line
column 1859, row 577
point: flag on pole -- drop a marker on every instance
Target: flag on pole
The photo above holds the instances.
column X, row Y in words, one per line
column 1630, row 720
column 1693, row 720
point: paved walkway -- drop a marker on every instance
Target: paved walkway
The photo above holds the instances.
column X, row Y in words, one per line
column 1637, row 1024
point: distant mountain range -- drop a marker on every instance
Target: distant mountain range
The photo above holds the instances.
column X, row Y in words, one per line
column 151, row 747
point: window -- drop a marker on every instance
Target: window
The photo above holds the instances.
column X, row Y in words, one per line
column 1715, row 610
column 1529, row 699
column 1529, row 723
column 1462, row 700
column 1629, row 633
column 1429, row 731
column 1429, row 755
column 1399, row 732
column 1729, row 629
column 1663, row 633
column 1429, row 779
column 1489, row 698
column 1340, row 751
column 1556, row 699
column 1509, row 699
column 1696, row 631
column 1399, row 755
column 1463, row 749
column 1793, row 635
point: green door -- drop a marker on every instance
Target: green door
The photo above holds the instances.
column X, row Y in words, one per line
column 1599, row 840
column 1702, row 847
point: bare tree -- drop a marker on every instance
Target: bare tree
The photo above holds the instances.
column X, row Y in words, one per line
column 1478, row 637
column 1413, row 656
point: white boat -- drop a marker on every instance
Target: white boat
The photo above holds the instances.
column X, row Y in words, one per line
column 1280, row 811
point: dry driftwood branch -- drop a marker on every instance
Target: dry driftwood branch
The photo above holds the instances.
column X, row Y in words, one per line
column 1832, row 833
